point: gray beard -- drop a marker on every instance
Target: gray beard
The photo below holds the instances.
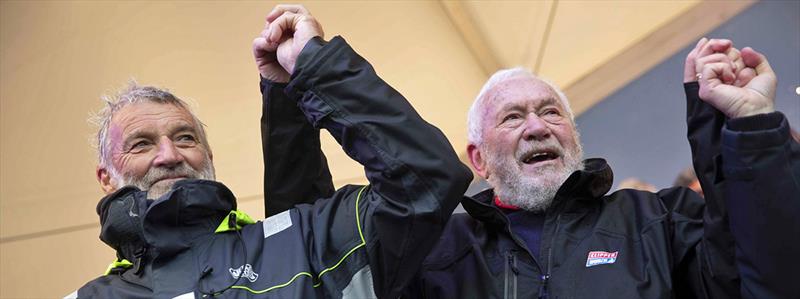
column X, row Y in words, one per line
column 536, row 192
column 149, row 181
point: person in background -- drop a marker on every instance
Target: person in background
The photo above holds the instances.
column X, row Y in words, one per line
column 687, row 178
column 637, row 184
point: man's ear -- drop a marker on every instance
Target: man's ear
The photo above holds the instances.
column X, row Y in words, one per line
column 477, row 160
column 104, row 177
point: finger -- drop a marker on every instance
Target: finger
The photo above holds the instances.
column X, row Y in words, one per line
column 261, row 46
column 713, row 58
column 265, row 32
column 282, row 8
column 286, row 22
column 720, row 71
column 689, row 66
column 713, row 46
column 720, row 45
column 700, row 44
column 736, row 59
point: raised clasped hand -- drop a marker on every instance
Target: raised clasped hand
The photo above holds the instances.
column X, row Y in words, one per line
column 738, row 83
column 287, row 30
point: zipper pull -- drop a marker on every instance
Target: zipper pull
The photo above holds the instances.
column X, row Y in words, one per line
column 543, row 288
column 137, row 260
column 511, row 263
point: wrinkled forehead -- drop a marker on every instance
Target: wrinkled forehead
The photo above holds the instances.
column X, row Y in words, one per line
column 150, row 115
column 520, row 91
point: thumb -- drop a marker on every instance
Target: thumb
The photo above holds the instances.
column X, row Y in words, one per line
column 765, row 81
column 689, row 72
column 757, row 61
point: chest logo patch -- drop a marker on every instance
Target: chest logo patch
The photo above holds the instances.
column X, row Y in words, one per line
column 251, row 275
column 601, row 258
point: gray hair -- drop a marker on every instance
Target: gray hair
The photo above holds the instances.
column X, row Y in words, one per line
column 132, row 94
column 475, row 116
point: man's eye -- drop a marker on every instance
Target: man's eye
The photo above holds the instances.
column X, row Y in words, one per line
column 139, row 146
column 513, row 116
column 551, row 114
column 186, row 139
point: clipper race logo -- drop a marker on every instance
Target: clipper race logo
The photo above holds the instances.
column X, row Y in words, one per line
column 600, row 258
column 248, row 272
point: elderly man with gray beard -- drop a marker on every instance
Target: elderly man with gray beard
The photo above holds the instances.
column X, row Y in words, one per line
column 547, row 228
column 178, row 233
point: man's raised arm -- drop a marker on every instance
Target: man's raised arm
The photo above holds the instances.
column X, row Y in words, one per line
column 295, row 168
column 753, row 164
column 416, row 179
column 716, row 262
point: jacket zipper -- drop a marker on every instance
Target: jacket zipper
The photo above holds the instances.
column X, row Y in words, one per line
column 138, row 256
column 546, row 277
column 511, row 276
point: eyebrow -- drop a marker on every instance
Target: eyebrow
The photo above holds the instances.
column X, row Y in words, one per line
column 183, row 127
column 548, row 101
column 516, row 105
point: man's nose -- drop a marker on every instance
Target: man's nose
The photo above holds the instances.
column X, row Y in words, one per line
column 535, row 128
column 168, row 155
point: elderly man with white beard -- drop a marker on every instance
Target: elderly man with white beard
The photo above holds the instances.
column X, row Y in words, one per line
column 547, row 148
column 547, row 228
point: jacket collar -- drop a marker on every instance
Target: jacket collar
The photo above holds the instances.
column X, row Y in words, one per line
column 590, row 183
column 130, row 222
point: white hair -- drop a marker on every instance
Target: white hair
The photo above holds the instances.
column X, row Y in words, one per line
column 475, row 117
column 133, row 93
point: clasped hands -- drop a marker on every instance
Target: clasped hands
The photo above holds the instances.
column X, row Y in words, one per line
column 737, row 83
column 287, row 30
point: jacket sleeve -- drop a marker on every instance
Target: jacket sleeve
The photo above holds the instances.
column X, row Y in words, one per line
column 761, row 163
column 742, row 164
column 416, row 179
column 295, row 168
column 713, row 270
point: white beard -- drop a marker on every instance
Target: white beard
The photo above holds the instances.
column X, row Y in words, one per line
column 150, row 181
column 535, row 192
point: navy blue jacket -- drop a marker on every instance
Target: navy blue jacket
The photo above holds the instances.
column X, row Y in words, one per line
column 749, row 169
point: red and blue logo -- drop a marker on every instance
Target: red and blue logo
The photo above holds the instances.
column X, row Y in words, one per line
column 601, row 258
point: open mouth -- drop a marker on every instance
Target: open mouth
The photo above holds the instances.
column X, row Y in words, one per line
column 539, row 156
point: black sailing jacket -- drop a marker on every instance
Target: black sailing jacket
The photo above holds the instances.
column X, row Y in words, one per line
column 360, row 241
column 628, row 244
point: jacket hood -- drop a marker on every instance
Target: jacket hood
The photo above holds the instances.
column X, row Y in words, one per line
column 593, row 181
column 130, row 223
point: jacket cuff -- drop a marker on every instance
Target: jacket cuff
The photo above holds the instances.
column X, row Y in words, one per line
column 264, row 83
column 304, row 69
column 692, row 89
column 756, row 132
